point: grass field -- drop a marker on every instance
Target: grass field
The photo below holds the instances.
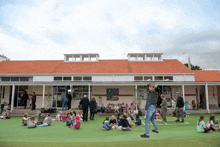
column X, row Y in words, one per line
column 13, row 133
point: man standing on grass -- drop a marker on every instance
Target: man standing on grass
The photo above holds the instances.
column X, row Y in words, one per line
column 151, row 109
column 85, row 104
column 179, row 107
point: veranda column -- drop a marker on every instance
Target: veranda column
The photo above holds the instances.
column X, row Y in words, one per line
column 12, row 99
column 183, row 96
column 1, row 92
column 207, row 97
column 89, row 91
column 136, row 97
column 43, row 96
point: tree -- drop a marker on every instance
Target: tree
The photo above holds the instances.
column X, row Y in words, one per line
column 196, row 67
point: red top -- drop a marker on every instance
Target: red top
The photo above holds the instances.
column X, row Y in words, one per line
column 64, row 117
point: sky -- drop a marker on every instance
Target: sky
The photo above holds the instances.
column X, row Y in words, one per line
column 47, row 29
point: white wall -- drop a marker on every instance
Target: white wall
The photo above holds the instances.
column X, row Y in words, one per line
column 183, row 78
column 112, row 78
column 43, row 78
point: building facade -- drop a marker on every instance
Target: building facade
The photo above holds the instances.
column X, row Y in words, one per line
column 115, row 81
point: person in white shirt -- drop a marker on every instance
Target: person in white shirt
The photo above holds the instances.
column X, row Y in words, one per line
column 173, row 103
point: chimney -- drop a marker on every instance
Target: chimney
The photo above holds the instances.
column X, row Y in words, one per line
column 189, row 64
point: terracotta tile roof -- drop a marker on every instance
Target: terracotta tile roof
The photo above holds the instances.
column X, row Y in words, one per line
column 101, row 67
column 207, row 75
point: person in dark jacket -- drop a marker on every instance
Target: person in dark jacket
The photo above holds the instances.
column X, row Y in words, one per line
column 150, row 109
column 85, row 104
column 25, row 96
column 179, row 107
column 69, row 97
column 93, row 107
column 33, row 101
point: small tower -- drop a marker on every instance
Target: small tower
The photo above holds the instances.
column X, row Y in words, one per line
column 81, row 57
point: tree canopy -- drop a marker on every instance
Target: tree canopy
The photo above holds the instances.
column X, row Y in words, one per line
column 196, row 67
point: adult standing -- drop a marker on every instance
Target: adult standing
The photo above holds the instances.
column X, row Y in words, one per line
column 33, row 101
column 69, row 97
column 64, row 101
column 179, row 107
column 92, row 108
column 25, row 97
column 150, row 108
column 85, row 104
column 164, row 109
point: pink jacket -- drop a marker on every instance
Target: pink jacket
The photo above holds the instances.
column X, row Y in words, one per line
column 78, row 122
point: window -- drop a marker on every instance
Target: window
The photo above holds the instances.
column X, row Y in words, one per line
column 138, row 78
column 87, row 78
column 67, row 78
column 158, row 78
column 14, row 78
column 57, row 78
column 77, row 78
column 6, row 78
column 79, row 91
column 24, row 79
column 168, row 78
column 148, row 78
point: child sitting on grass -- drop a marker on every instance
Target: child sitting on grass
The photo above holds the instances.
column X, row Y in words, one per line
column 40, row 119
column 103, row 108
column 69, row 121
column 25, row 119
column 138, row 121
column 119, row 119
column 77, row 123
column 3, row 114
column 212, row 121
column 74, row 116
column 80, row 115
column 7, row 114
column 125, row 126
column 58, row 116
column 31, row 123
column 129, row 118
column 49, row 119
column 201, row 128
column 157, row 116
column 106, row 125
column 70, row 112
column 64, row 117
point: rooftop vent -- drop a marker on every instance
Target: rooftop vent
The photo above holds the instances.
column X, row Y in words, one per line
column 145, row 57
column 81, row 57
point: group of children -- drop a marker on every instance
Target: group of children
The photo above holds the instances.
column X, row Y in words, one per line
column 209, row 127
column 5, row 114
column 115, row 108
column 31, row 123
column 71, row 118
column 122, row 123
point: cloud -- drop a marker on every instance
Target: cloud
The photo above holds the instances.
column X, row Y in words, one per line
column 49, row 29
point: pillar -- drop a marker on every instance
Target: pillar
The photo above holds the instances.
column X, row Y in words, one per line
column 183, row 92
column 1, row 92
column 12, row 95
column 207, row 97
column 198, row 92
column 89, row 92
column 43, row 96
column 136, row 97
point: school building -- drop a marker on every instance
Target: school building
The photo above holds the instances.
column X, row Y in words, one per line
column 115, row 80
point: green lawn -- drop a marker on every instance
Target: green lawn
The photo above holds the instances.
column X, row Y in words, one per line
column 13, row 133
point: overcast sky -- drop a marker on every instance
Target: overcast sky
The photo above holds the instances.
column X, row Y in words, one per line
column 47, row 29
